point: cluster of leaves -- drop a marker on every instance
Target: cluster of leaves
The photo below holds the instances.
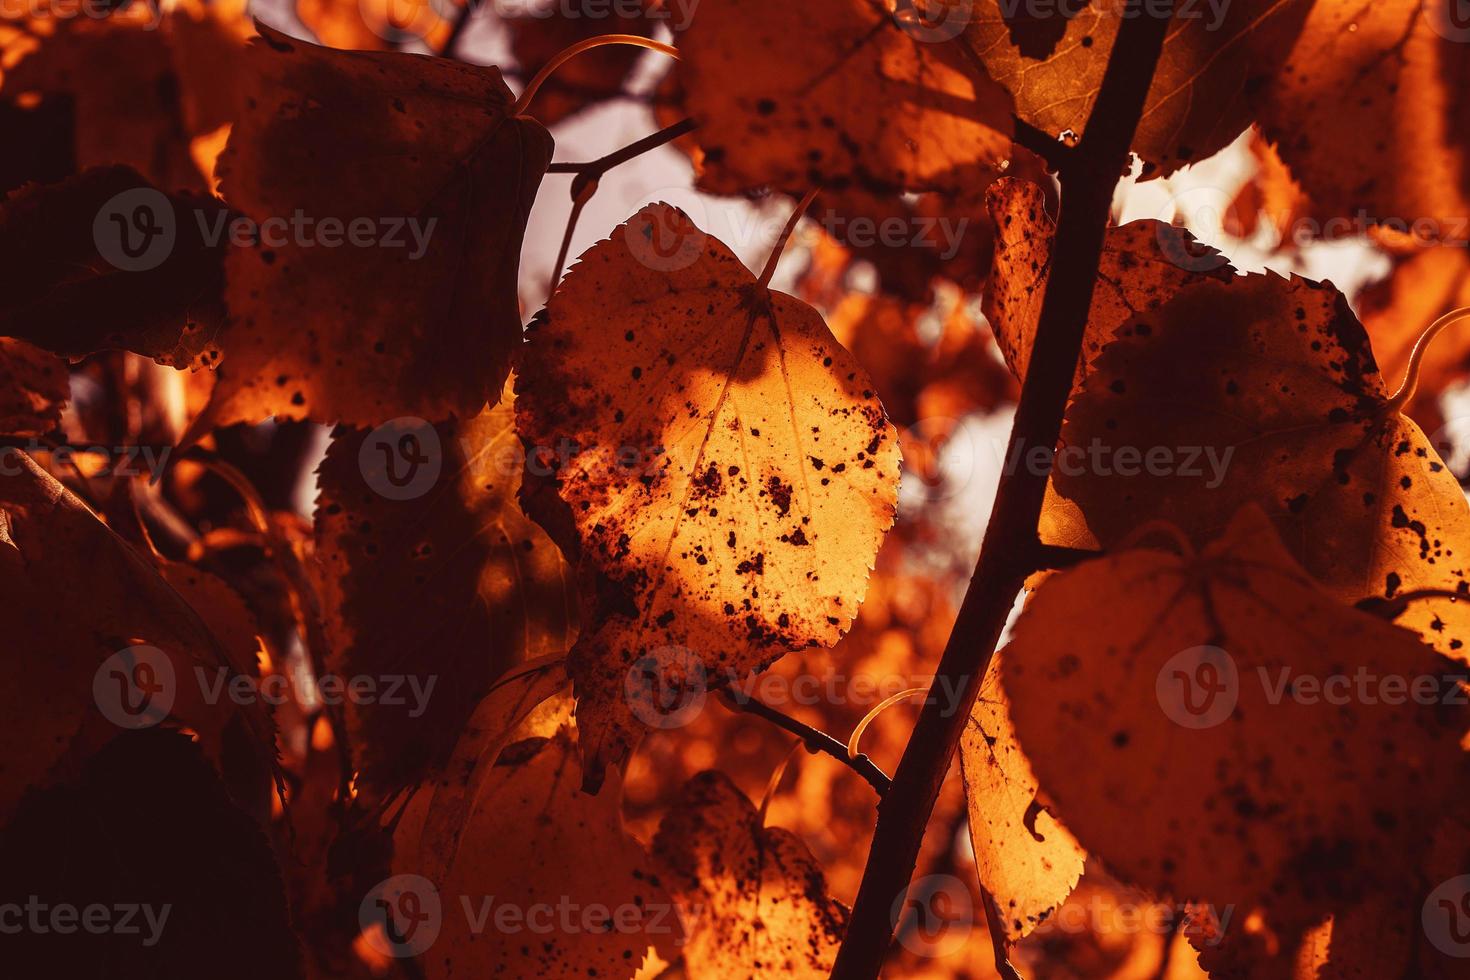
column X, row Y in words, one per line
column 559, row 594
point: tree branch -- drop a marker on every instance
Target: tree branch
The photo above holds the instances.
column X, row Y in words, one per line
column 1088, row 175
column 1052, row 150
column 814, row 739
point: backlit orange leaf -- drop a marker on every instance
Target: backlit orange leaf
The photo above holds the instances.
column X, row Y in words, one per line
column 421, row 156
column 582, row 895
column 1027, row 860
column 851, row 100
column 1264, row 390
column 1164, row 704
column 725, row 463
column 759, row 896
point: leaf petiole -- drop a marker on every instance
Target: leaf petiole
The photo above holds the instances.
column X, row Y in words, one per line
column 567, row 54
column 1410, row 384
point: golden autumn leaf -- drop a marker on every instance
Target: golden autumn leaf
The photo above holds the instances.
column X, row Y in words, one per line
column 1188, row 716
column 723, row 463
column 1368, row 111
column 429, row 569
column 416, row 311
column 1264, row 390
column 548, row 884
column 1215, row 57
column 846, row 98
column 136, row 655
column 759, row 897
column 1143, row 264
column 1026, row 859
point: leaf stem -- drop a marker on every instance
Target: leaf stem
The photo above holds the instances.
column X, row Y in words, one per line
column 1410, row 385
column 602, row 165
column 1089, row 174
column 588, row 174
column 815, row 740
column 566, row 54
column 780, row 246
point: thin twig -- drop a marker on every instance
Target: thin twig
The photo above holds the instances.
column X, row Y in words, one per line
column 600, row 166
column 1088, row 176
column 586, row 182
column 815, row 740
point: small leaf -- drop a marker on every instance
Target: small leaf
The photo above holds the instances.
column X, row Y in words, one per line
column 1026, row 859
column 761, row 898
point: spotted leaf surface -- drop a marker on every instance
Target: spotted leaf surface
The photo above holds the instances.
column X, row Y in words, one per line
column 850, row 100
column 1026, row 859
column 1264, row 390
column 1165, row 705
column 415, row 313
column 761, row 896
column 723, row 462
column 1143, row 264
